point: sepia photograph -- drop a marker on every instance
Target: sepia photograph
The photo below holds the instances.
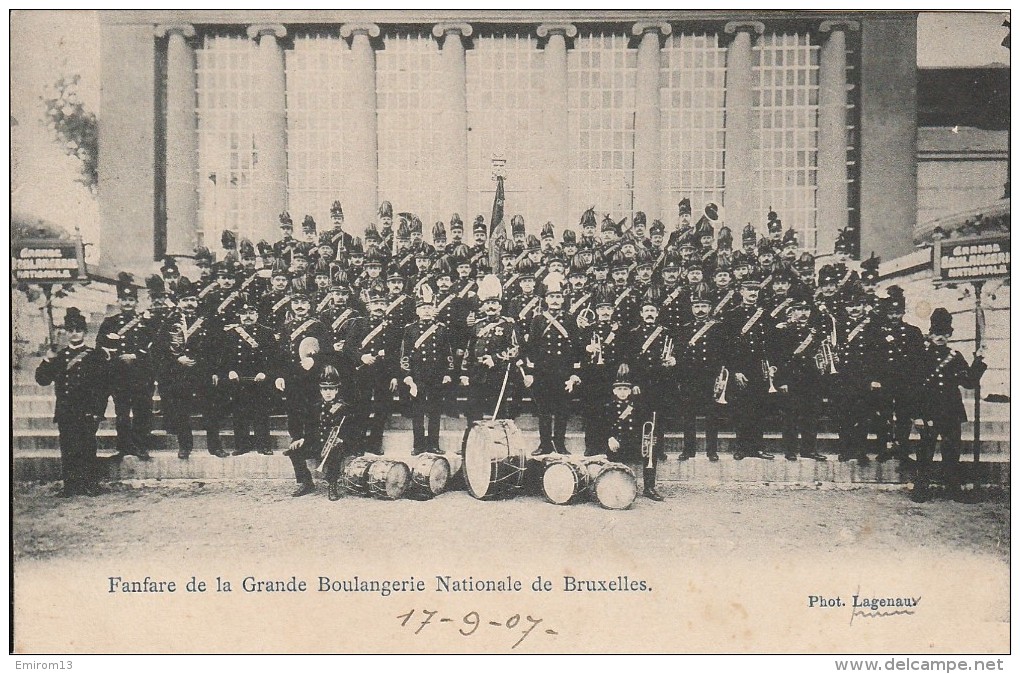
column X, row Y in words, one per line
column 452, row 331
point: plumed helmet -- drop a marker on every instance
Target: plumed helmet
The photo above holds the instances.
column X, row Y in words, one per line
column 308, row 225
column 602, row 296
column 609, row 225
column 385, row 210
column 169, row 266
column 425, row 295
column 374, row 255
column 569, row 237
column 748, row 237
column 790, row 239
column 372, row 234
column 532, row 242
column 286, row 220
column 828, row 275
column 490, row 288
column 588, row 219
column 330, row 377
column 620, row 261
column 806, row 264
column 700, row 293
column 704, row 228
column 461, row 254
column 439, row 233
column 526, row 269
column 671, row 260
column 554, row 283
column 622, row 376
column 456, row 222
column 656, row 228
column 265, row 249
column 416, row 226
column 684, row 207
column 640, row 219
column 445, row 267
column 725, row 239
column 228, row 240
column 336, row 210
column 547, row 231
column 154, row 284
column 517, row 224
column 479, row 225
column 125, row 285
column 247, row 249
column 357, row 247
column 185, row 288
column 403, row 230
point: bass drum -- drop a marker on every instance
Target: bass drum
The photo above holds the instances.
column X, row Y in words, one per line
column 430, row 474
column 494, row 459
column 388, row 479
column 614, row 487
column 566, row 482
column 354, row 476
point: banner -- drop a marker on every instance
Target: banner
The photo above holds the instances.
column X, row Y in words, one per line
column 972, row 259
column 48, row 261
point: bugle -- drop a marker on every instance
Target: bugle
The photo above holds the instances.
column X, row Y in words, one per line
column 721, row 382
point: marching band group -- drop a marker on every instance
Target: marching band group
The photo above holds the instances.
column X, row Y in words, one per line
column 621, row 325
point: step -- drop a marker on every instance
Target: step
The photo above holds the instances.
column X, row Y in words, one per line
column 45, row 466
column 35, row 440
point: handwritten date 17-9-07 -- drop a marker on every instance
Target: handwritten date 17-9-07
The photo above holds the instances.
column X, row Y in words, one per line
column 468, row 624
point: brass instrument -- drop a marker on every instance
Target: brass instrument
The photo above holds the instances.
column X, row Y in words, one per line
column 585, row 317
column 331, row 441
column 769, row 371
column 599, row 356
column 667, row 349
column 721, row 382
column 826, row 359
column 178, row 343
column 648, row 441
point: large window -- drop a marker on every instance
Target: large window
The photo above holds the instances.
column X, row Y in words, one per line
column 226, row 180
column 785, row 121
column 317, row 90
column 504, row 98
column 409, row 106
column 692, row 99
column 602, row 73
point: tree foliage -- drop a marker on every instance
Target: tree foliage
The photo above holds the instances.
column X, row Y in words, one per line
column 74, row 128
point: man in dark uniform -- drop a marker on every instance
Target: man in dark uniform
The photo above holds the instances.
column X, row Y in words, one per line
column 399, row 305
column 285, row 246
column 373, row 343
column 343, row 310
column 297, row 374
column 334, row 435
column 554, row 360
column 426, row 363
column 602, row 345
column 649, row 348
column 625, row 300
column 76, row 372
column 273, row 305
column 792, row 350
column 526, row 304
column 579, row 295
column 726, row 294
column 850, row 390
column 245, row 360
column 626, row 415
column 746, row 332
column 491, row 358
column 943, row 370
column 221, row 304
column 700, row 347
column 898, row 366
column 340, row 240
column 185, row 350
column 126, row 339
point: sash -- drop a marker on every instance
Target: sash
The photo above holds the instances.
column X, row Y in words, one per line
column 651, row 338
column 465, row 290
column 425, row 335
column 442, row 305
column 528, row 307
column 723, row 302
column 803, row 345
column 626, row 412
column 701, row 332
column 130, row 324
column 341, row 318
column 77, row 359
column 407, row 258
column 672, row 296
column 246, row 336
column 782, row 305
column 247, row 282
column 512, row 280
column 554, row 323
column 846, row 277
column 206, row 290
column 477, row 256
column 322, row 304
column 942, row 364
column 279, row 305
column 301, row 328
column 751, row 321
column 626, row 291
column 577, row 305
column 856, row 331
column 768, row 279
column 609, row 338
column 372, row 335
column 225, row 303
column 188, row 332
column 395, row 303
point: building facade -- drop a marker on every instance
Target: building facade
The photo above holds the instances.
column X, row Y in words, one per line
column 217, row 120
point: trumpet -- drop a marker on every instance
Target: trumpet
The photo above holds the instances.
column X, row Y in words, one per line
column 826, row 359
column 721, row 382
column 667, row 349
column 769, row 372
column 648, row 441
column 597, row 357
column 331, row 442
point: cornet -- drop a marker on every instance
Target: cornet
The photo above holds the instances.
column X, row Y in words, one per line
column 598, row 356
column 825, row 359
column 769, row 371
column 667, row 349
column 648, row 440
column 720, row 386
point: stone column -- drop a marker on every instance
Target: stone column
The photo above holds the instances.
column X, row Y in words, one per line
column 453, row 151
column 362, row 140
column 647, row 140
column 270, row 129
column 739, row 195
column 832, row 179
column 554, row 174
column 181, row 140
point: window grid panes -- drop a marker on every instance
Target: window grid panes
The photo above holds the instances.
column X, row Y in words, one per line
column 409, row 106
column 504, row 98
column 601, row 75
column 852, row 148
column 317, row 90
column 692, row 86
column 226, row 142
column 785, row 116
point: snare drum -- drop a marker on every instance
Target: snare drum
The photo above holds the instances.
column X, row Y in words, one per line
column 354, row 476
column 615, row 487
column 494, row 459
column 430, row 473
column 565, row 482
column 388, row 479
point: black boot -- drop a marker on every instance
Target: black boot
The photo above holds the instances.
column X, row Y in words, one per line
column 650, row 491
column 334, row 490
column 304, row 489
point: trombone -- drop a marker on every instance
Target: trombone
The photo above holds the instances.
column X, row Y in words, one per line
column 648, row 441
column 721, row 382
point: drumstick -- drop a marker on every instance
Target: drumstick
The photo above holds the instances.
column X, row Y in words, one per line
column 502, row 391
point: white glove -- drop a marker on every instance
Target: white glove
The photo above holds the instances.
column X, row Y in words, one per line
column 261, row 376
column 447, row 379
column 572, row 382
column 529, row 380
column 232, row 376
column 297, row 444
column 464, row 381
column 186, row 361
column 368, row 359
column 614, row 445
column 741, row 379
column 488, row 361
column 280, row 384
column 393, row 385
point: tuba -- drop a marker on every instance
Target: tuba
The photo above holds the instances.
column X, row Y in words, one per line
column 720, row 385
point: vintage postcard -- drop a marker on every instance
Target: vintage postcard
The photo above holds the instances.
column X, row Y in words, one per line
column 474, row 331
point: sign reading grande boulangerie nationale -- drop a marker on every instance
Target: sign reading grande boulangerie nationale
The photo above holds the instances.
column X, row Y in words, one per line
column 48, row 261
column 972, row 259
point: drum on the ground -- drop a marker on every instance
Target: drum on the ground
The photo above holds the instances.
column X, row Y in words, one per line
column 354, row 475
column 430, row 474
column 566, row 482
column 388, row 479
column 494, row 459
column 615, row 486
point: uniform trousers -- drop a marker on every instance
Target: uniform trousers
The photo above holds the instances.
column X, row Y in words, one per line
column 249, row 408
column 697, row 398
column 896, row 409
column 377, row 401
column 950, row 432
column 301, row 397
column 78, row 465
column 801, row 405
column 552, row 405
column 597, row 386
column 427, row 405
column 132, row 404
column 749, row 412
